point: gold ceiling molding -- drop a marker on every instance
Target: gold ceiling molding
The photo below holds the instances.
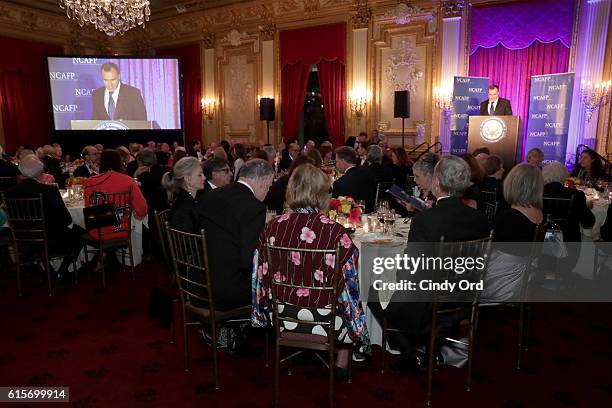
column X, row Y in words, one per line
column 23, row 22
column 363, row 14
column 265, row 17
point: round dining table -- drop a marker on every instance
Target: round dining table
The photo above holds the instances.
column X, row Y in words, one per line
column 372, row 245
column 75, row 208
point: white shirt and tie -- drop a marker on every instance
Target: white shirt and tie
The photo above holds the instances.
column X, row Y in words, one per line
column 115, row 96
column 492, row 106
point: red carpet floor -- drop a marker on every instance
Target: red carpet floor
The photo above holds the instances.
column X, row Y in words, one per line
column 102, row 345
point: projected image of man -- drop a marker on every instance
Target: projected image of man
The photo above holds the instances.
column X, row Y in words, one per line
column 116, row 100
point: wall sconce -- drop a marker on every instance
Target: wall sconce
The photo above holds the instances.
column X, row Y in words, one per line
column 209, row 108
column 443, row 98
column 594, row 96
column 358, row 101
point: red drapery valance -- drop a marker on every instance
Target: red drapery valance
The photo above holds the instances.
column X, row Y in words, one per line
column 313, row 44
column 24, row 92
column 192, row 92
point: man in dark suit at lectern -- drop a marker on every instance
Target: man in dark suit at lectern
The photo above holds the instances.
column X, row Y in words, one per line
column 116, row 100
column 495, row 106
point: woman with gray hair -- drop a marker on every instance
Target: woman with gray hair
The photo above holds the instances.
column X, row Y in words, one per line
column 183, row 182
column 554, row 175
column 423, row 171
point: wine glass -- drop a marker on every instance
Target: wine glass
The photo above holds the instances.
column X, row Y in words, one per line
column 389, row 219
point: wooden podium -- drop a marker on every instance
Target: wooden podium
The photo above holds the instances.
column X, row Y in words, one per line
column 501, row 134
column 110, row 124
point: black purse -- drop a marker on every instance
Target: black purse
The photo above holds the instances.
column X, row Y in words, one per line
column 99, row 216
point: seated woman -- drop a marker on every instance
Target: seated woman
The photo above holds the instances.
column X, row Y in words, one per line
column 275, row 199
column 423, row 171
column 183, row 183
column 402, row 166
column 306, row 227
column 493, row 181
column 590, row 168
column 523, row 189
column 580, row 213
column 112, row 180
column 473, row 196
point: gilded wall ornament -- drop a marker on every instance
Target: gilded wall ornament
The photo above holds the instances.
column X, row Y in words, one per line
column 403, row 70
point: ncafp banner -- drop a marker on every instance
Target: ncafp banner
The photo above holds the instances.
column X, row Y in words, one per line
column 468, row 93
column 550, row 105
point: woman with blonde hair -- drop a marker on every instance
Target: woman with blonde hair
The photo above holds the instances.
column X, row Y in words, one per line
column 523, row 191
column 183, row 183
column 307, row 227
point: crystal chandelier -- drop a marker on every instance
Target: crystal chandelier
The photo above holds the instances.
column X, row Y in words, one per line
column 109, row 16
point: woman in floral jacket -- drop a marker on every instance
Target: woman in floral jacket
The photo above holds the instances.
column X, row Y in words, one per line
column 306, row 227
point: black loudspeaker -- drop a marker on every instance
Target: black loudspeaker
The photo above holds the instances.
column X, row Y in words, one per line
column 401, row 105
column 266, row 109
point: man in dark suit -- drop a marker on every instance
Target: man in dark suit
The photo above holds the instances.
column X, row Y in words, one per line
column 495, row 106
column 116, row 100
column 60, row 238
column 91, row 156
column 357, row 182
column 217, row 172
column 233, row 217
column 381, row 169
column 289, row 155
column 449, row 218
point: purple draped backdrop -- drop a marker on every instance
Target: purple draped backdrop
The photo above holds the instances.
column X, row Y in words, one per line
column 517, row 25
column 532, row 38
column 158, row 82
column 512, row 69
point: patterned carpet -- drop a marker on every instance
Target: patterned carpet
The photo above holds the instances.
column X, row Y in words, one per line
column 103, row 345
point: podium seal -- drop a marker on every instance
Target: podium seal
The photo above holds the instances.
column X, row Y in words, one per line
column 111, row 125
column 493, row 130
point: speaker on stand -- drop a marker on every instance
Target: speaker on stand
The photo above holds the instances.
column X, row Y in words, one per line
column 267, row 112
column 401, row 108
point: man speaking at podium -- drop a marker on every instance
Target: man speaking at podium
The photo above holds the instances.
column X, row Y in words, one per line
column 495, row 106
column 115, row 100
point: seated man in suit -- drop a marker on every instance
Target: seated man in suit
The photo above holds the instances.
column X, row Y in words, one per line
column 289, row 155
column 357, row 182
column 495, row 106
column 91, row 156
column 454, row 221
column 61, row 238
column 116, row 100
column 233, row 217
column 382, row 171
column 217, row 172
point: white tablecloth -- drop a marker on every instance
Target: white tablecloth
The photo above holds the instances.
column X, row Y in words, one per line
column 584, row 266
column 370, row 246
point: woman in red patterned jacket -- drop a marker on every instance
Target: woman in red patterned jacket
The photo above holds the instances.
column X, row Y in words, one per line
column 112, row 180
column 307, row 227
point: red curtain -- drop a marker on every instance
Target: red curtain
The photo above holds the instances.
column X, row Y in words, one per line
column 332, row 82
column 294, row 79
column 24, row 92
column 191, row 86
column 512, row 69
column 310, row 46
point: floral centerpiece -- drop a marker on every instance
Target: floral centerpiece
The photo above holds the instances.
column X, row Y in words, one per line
column 573, row 182
column 346, row 206
column 76, row 181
